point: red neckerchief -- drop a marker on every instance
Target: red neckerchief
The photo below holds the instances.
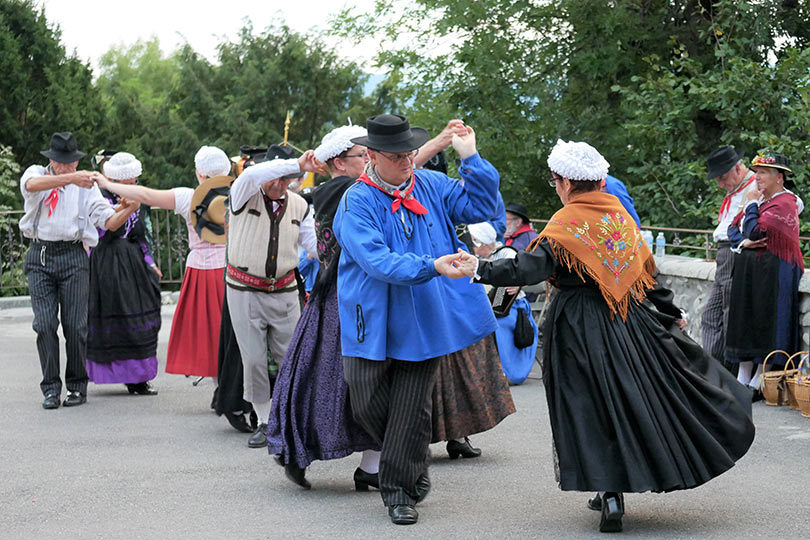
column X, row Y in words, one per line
column 405, row 198
column 726, row 205
column 53, row 197
column 525, row 228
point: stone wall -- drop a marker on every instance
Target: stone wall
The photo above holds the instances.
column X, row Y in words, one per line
column 691, row 281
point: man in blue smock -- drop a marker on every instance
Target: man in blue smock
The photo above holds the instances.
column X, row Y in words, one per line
column 396, row 228
column 616, row 187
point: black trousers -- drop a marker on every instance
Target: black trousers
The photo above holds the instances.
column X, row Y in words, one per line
column 59, row 282
column 391, row 400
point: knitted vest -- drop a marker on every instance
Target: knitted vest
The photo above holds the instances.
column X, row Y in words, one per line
column 262, row 245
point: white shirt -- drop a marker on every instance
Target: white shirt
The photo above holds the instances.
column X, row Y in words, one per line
column 737, row 201
column 250, row 182
column 68, row 222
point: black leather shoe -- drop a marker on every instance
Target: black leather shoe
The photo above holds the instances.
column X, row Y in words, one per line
column 612, row 512
column 214, row 399
column 595, row 503
column 465, row 449
column 259, row 437
column 142, row 388
column 757, row 395
column 403, row 514
column 51, row 401
column 238, row 422
column 296, row 475
column 74, row 398
column 422, row 487
column 363, row 480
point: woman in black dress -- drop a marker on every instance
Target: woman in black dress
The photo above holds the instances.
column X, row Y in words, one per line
column 635, row 405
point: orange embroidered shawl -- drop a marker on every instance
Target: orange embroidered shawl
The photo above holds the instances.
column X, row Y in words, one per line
column 593, row 235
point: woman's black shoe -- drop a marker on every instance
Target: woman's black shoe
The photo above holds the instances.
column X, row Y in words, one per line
column 239, row 422
column 465, row 449
column 612, row 512
column 143, row 389
column 757, row 395
column 296, row 475
column 363, row 480
column 595, row 503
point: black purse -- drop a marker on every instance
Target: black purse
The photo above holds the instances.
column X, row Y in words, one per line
column 524, row 332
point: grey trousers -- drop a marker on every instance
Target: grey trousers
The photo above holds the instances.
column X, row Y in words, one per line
column 714, row 321
column 59, row 284
column 391, row 400
column 262, row 321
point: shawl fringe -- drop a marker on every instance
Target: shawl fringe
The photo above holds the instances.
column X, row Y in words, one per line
column 635, row 294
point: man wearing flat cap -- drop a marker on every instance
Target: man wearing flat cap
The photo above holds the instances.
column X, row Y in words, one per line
column 398, row 315
column 726, row 166
column 267, row 224
column 63, row 207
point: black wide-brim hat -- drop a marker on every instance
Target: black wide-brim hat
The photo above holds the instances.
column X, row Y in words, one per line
column 392, row 133
column 278, row 151
column 721, row 161
column 519, row 210
column 64, row 148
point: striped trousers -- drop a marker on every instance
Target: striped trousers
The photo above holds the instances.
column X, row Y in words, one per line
column 714, row 321
column 59, row 282
column 391, row 400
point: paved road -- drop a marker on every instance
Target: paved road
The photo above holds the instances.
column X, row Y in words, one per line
column 126, row 466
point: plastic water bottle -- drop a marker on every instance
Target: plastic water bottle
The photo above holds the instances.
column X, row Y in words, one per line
column 646, row 234
column 660, row 245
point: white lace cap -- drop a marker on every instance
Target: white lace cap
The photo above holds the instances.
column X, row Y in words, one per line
column 577, row 161
column 338, row 140
column 122, row 166
column 483, row 233
column 211, row 161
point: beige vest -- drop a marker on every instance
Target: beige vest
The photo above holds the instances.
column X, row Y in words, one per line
column 262, row 245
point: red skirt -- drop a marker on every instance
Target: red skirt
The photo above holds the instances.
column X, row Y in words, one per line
column 194, row 338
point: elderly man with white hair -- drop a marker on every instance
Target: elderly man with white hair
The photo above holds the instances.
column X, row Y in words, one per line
column 320, row 425
column 195, row 329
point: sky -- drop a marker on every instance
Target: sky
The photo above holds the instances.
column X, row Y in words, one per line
column 92, row 27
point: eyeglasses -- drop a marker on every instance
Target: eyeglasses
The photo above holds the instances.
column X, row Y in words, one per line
column 553, row 181
column 363, row 155
column 401, row 156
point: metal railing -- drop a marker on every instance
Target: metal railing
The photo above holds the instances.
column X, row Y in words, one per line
column 692, row 240
column 169, row 243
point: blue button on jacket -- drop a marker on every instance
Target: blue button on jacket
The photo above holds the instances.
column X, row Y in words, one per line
column 392, row 302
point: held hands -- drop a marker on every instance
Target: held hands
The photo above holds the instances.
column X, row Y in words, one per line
column 308, row 162
column 83, row 179
column 464, row 142
column 102, row 181
column 454, row 127
column 753, row 244
column 456, row 265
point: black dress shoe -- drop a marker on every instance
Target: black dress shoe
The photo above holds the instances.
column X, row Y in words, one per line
column 363, row 480
column 595, row 503
column 214, row 399
column 757, row 395
column 238, row 421
column 51, row 401
column 403, row 514
column 142, row 389
column 259, row 437
column 74, row 398
column 612, row 512
column 422, row 487
column 465, row 449
column 296, row 475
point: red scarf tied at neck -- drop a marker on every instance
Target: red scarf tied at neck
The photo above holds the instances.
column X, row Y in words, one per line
column 401, row 198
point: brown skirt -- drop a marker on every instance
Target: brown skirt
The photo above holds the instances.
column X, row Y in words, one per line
column 471, row 394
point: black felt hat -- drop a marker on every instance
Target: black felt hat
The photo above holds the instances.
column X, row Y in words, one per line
column 392, row 133
column 64, row 148
column 721, row 161
column 519, row 210
column 286, row 151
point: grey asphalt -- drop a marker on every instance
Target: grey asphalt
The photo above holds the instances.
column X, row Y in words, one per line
column 126, row 466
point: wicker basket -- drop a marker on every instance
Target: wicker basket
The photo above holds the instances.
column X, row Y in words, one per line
column 773, row 384
column 792, row 379
column 802, row 390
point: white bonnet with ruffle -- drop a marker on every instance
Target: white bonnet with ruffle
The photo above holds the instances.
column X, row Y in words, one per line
column 577, row 161
column 122, row 166
column 211, row 161
column 338, row 140
column 483, row 232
